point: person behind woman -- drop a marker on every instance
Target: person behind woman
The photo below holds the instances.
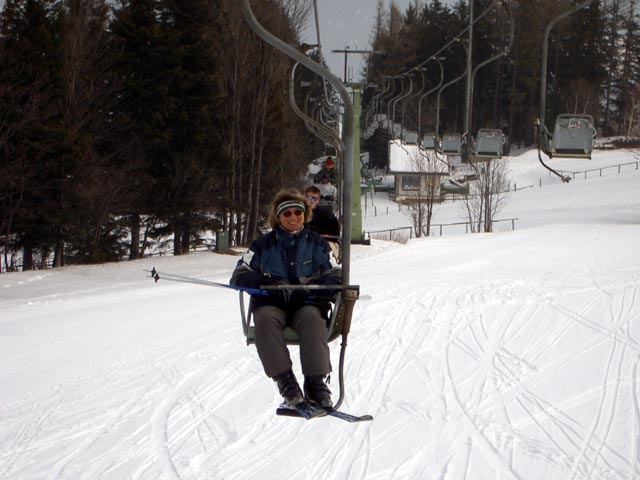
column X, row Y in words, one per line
column 323, row 221
column 291, row 254
column 328, row 169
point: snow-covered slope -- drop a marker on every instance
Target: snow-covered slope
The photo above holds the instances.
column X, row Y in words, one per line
column 505, row 355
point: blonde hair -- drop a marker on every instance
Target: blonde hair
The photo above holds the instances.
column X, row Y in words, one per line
column 287, row 195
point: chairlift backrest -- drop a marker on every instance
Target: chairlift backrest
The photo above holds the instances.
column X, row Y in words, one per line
column 573, row 136
column 429, row 141
column 452, row 144
column 411, row 138
column 329, row 150
column 489, row 143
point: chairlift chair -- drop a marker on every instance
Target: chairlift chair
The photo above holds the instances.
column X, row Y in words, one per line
column 489, row 143
column 572, row 136
column 410, row 138
column 339, row 315
column 330, row 150
column 429, row 141
column 452, row 144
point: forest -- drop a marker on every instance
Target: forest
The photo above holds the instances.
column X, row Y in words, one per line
column 124, row 125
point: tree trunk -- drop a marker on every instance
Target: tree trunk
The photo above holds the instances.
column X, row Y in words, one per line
column 177, row 238
column 27, row 256
column 58, row 255
column 134, row 225
column 186, row 238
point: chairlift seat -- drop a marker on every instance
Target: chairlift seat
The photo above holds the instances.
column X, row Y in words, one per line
column 489, row 143
column 411, row 138
column 573, row 136
column 338, row 323
column 452, row 144
column 429, row 141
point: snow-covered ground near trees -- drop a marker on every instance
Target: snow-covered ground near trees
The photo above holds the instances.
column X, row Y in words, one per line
column 511, row 355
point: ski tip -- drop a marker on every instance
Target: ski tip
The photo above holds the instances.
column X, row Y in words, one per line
column 349, row 417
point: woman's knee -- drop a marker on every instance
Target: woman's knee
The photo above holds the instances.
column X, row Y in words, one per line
column 269, row 317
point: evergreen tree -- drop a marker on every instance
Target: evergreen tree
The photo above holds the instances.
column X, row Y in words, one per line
column 139, row 117
column 613, row 18
column 578, row 68
column 628, row 77
column 94, row 234
column 34, row 141
column 186, row 178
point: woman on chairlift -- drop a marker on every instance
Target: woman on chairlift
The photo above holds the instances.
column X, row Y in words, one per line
column 291, row 254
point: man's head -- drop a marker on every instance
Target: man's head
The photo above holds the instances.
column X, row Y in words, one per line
column 312, row 196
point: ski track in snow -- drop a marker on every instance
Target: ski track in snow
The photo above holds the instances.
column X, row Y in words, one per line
column 485, row 363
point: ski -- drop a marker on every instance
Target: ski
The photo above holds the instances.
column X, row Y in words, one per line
column 305, row 411
column 309, row 411
column 347, row 416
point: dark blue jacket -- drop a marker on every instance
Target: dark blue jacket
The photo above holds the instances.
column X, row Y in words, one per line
column 281, row 257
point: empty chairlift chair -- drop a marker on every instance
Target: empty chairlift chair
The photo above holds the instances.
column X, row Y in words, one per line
column 489, row 143
column 429, row 141
column 452, row 144
column 410, row 138
column 573, row 136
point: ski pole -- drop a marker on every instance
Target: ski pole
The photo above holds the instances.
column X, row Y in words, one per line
column 172, row 277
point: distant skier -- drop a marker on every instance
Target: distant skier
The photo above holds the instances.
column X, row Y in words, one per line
column 291, row 254
column 329, row 170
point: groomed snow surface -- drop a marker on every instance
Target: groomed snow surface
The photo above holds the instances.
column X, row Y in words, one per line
column 512, row 355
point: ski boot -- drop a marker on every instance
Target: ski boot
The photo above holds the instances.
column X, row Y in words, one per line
column 289, row 388
column 317, row 392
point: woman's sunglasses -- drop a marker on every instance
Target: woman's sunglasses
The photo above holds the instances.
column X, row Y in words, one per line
column 288, row 213
column 313, row 197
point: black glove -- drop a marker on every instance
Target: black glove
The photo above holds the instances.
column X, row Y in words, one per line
column 331, row 277
column 243, row 276
column 276, row 297
column 266, row 279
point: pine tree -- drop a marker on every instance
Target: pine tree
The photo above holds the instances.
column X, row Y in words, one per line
column 629, row 74
column 93, row 233
column 578, row 67
column 613, row 18
column 140, row 114
column 33, row 140
column 187, row 180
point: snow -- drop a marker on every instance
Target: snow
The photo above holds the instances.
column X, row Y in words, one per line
column 511, row 355
column 404, row 158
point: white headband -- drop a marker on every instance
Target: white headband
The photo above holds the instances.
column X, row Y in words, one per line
column 290, row 204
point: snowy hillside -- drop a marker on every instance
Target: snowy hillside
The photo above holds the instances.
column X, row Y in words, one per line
column 511, row 355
